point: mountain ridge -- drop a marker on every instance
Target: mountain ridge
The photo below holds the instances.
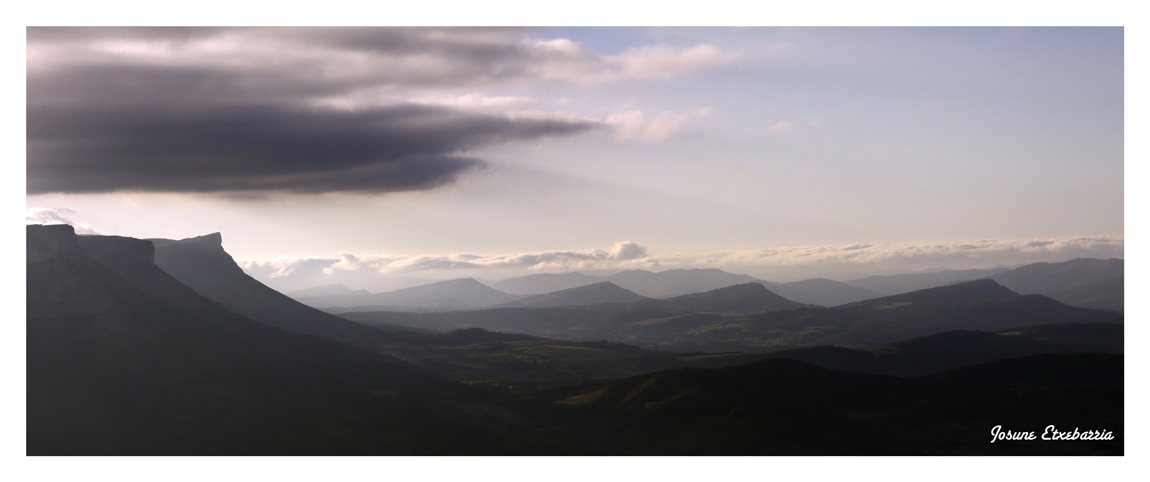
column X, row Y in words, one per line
column 603, row 292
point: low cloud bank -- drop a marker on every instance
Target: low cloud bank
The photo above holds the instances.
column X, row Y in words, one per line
column 56, row 216
column 775, row 264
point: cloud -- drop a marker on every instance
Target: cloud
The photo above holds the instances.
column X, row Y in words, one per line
column 662, row 61
column 633, row 124
column 621, row 252
column 253, row 110
column 264, row 148
column 973, row 254
column 628, row 250
column 56, row 216
column 797, row 262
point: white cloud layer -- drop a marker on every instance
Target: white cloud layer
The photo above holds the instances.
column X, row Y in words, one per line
column 633, row 124
column 56, row 216
column 775, row 264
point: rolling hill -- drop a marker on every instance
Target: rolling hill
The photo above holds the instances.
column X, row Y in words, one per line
column 140, row 364
column 1090, row 283
column 537, row 284
column 592, row 294
column 1107, row 294
column 738, row 298
column 457, row 294
column 961, row 348
column 676, row 282
column 782, row 406
column 663, row 284
column 822, row 292
column 905, row 283
column 978, row 305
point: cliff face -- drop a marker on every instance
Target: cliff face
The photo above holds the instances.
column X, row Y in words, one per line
column 202, row 264
column 51, row 241
column 118, row 251
column 53, row 268
column 194, row 256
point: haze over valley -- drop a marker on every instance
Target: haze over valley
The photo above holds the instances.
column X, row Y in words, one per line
column 574, row 241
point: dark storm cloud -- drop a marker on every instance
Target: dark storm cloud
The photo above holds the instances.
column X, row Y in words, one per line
column 254, row 110
column 245, row 148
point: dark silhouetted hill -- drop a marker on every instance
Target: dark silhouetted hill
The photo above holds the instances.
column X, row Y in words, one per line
column 744, row 297
column 663, row 284
column 123, row 359
column 1089, row 283
column 537, row 284
column 676, row 282
column 962, row 348
column 1042, row 278
column 457, row 294
column 781, row 406
column 1105, row 295
column 593, row 294
column 905, row 283
column 981, row 305
column 202, row 264
column 822, row 292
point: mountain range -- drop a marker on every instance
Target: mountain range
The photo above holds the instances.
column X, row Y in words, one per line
column 165, row 347
column 202, row 264
column 976, row 305
column 125, row 359
column 1084, row 283
column 601, row 293
column 753, row 297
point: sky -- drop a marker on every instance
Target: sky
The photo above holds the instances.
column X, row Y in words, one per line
column 354, row 155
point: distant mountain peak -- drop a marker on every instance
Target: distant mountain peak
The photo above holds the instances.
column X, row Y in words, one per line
column 599, row 285
column 603, row 292
column 980, row 289
column 463, row 281
column 745, row 289
column 740, row 297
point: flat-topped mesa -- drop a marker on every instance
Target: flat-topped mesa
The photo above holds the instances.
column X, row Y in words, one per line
column 209, row 242
column 119, row 252
column 195, row 254
column 51, row 241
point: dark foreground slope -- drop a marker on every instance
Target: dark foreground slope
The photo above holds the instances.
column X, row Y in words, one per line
column 202, row 264
column 475, row 354
column 786, row 407
column 123, row 359
column 115, row 370
column 956, row 349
